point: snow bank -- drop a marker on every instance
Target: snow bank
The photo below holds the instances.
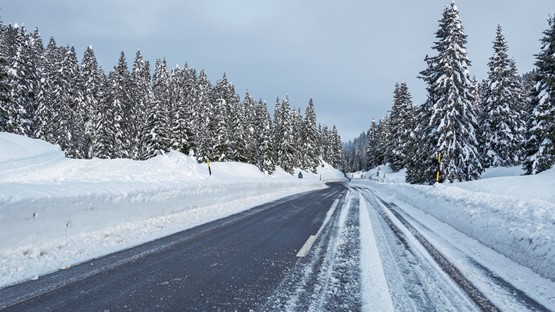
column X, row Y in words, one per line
column 44, row 197
column 514, row 215
column 15, row 156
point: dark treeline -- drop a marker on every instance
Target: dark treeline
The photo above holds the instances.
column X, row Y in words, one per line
column 46, row 93
column 506, row 120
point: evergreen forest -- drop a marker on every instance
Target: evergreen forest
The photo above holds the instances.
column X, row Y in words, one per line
column 504, row 120
column 132, row 112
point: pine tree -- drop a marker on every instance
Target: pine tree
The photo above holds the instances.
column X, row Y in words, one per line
column 540, row 144
column 121, row 113
column 284, row 136
column 180, row 131
column 502, row 123
column 72, row 108
column 310, row 139
column 384, row 147
column 143, row 99
column 156, row 139
column 22, row 79
column 253, row 126
column 449, row 118
column 299, row 153
column 401, row 125
column 4, row 97
column 336, row 149
column 41, row 118
column 372, row 146
column 202, row 106
column 266, row 149
column 91, row 88
column 104, row 131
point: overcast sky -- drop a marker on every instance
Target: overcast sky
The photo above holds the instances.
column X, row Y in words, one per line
column 347, row 55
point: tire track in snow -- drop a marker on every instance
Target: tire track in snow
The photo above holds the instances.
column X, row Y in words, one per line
column 471, row 291
column 328, row 279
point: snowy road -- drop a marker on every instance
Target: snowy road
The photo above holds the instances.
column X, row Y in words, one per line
column 233, row 263
column 371, row 258
column 371, row 253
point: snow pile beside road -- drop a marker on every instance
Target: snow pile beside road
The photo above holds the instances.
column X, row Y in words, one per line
column 46, row 199
column 514, row 215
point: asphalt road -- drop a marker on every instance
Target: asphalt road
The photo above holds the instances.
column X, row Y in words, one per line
column 230, row 264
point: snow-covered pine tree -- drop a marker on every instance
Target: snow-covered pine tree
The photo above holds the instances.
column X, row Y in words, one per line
column 181, row 135
column 310, row 138
column 72, row 108
column 336, row 149
column 252, row 128
column 324, row 142
column 371, row 146
column 385, row 148
column 189, row 95
column 22, row 79
column 202, row 108
column 155, row 139
column 266, row 150
column 502, row 124
column 143, row 98
column 91, row 87
column 237, row 134
column 41, row 118
column 540, row 144
column 121, row 110
column 452, row 123
column 4, row 96
column 223, row 116
column 401, row 125
column 103, row 139
column 299, row 153
column 284, row 137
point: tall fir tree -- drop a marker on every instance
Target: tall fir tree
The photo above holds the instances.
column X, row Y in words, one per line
column 156, row 138
column 540, row 144
column 143, row 99
column 371, row 146
column 4, row 97
column 22, row 79
column 251, row 128
column 180, row 131
column 72, row 109
column 265, row 140
column 91, row 88
column 502, row 125
column 448, row 121
column 202, row 106
column 103, row 128
column 310, row 139
column 284, row 139
column 299, row 154
column 401, row 125
column 41, row 118
column 336, row 149
column 120, row 110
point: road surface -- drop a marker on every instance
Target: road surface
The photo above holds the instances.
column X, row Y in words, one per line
column 367, row 254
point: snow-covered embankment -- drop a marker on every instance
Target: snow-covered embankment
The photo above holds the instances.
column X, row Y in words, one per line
column 48, row 200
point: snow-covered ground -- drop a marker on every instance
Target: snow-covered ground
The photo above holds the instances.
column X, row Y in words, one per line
column 509, row 213
column 56, row 212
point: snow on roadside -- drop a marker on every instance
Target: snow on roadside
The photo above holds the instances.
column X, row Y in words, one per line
column 372, row 272
column 55, row 212
column 514, row 215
